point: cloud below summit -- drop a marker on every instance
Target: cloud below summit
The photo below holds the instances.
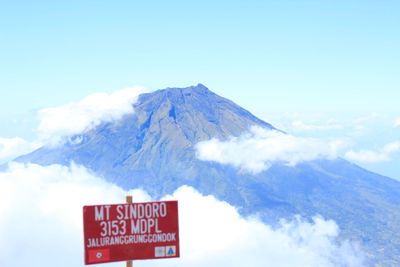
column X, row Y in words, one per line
column 300, row 125
column 397, row 122
column 372, row 156
column 76, row 117
column 256, row 150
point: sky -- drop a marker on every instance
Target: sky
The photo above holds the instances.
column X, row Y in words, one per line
column 291, row 63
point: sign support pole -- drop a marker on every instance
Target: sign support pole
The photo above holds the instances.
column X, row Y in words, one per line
column 129, row 201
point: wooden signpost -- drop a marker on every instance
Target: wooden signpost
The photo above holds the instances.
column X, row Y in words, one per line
column 129, row 201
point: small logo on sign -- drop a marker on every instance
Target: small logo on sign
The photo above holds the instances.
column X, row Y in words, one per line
column 98, row 255
column 159, row 252
column 171, row 251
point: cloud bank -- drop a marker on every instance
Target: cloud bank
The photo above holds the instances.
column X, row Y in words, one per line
column 41, row 224
column 371, row 156
column 254, row 151
column 41, row 213
column 11, row 148
column 214, row 234
column 77, row 117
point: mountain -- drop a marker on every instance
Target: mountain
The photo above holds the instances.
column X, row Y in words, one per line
column 153, row 149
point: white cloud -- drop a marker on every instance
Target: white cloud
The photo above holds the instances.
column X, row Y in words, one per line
column 41, row 225
column 366, row 156
column 370, row 156
column 397, row 122
column 76, row 117
column 372, row 117
column 254, row 151
column 11, row 148
column 392, row 147
column 331, row 125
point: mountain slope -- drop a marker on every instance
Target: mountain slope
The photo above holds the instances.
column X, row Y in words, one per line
column 154, row 149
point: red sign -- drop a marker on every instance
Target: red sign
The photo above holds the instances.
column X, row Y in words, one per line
column 133, row 231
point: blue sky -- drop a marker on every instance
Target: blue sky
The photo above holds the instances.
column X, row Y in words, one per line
column 286, row 61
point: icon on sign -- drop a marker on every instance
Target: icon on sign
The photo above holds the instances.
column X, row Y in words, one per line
column 171, row 251
column 98, row 255
column 159, row 252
